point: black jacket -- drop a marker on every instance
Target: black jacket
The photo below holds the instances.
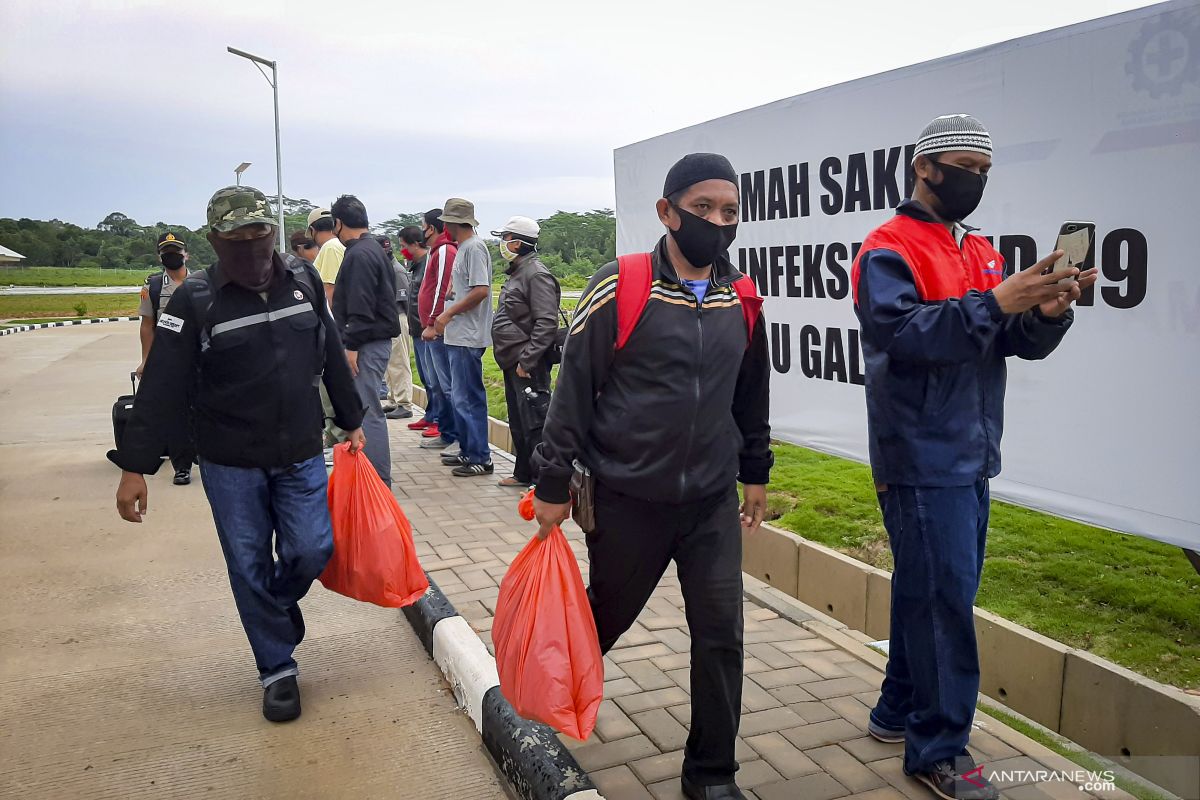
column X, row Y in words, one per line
column 364, row 296
column 415, row 276
column 526, row 320
column 680, row 413
column 255, row 369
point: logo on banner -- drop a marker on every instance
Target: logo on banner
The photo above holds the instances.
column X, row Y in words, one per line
column 1166, row 54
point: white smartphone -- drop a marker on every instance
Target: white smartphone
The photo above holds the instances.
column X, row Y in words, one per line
column 1075, row 240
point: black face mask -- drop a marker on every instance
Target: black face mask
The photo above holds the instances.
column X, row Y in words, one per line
column 699, row 240
column 249, row 262
column 171, row 260
column 959, row 192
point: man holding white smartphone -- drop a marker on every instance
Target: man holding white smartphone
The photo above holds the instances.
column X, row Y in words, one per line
column 938, row 320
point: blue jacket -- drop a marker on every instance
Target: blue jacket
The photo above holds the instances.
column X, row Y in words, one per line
column 935, row 340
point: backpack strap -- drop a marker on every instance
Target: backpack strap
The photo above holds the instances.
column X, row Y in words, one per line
column 154, row 283
column 314, row 292
column 634, row 277
column 751, row 304
column 199, row 285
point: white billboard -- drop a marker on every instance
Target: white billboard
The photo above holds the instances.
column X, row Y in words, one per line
column 1097, row 121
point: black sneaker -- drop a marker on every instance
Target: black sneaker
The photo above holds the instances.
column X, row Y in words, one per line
column 724, row 791
column 399, row 412
column 472, row 470
column 281, row 700
column 959, row 779
column 183, row 477
column 456, row 460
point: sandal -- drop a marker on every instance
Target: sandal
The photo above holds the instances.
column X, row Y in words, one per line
column 513, row 483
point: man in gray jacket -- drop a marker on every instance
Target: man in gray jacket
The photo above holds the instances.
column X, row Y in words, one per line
column 523, row 332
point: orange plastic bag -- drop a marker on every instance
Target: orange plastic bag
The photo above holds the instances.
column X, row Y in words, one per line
column 374, row 557
column 547, row 650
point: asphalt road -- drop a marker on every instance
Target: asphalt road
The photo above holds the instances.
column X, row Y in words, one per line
column 124, row 672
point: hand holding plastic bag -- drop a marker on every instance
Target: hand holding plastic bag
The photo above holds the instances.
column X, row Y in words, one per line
column 374, row 557
column 547, row 649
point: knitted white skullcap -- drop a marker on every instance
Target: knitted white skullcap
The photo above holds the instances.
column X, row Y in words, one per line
column 954, row 132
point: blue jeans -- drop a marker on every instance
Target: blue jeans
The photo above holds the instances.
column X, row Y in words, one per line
column 249, row 505
column 373, row 359
column 469, row 399
column 441, row 379
column 937, row 536
column 421, row 356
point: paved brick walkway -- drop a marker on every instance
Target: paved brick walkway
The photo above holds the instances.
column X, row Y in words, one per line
column 809, row 682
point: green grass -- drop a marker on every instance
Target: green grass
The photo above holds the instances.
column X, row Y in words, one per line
column 59, row 306
column 1128, row 599
column 72, row 276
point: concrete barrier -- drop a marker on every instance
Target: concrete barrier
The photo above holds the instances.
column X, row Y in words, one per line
column 1147, row 727
column 833, row 584
column 772, row 556
column 1020, row 668
column 879, row 604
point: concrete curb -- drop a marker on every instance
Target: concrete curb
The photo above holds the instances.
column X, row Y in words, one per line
column 64, row 324
column 529, row 754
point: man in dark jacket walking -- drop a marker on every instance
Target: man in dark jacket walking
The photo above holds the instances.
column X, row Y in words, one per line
column 364, row 306
column 523, row 331
column 938, row 320
column 257, row 337
column 683, row 416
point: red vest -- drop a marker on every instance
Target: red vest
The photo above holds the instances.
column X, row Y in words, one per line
column 940, row 269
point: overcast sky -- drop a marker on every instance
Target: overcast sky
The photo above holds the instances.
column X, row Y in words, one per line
column 135, row 106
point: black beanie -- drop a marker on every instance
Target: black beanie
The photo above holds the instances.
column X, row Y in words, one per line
column 696, row 167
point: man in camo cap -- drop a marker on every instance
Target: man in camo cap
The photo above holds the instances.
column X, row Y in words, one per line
column 256, row 337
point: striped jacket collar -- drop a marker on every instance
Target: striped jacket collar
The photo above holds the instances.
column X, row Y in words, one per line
column 723, row 272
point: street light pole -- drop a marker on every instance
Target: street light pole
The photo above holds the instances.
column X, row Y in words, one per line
column 239, row 169
column 260, row 62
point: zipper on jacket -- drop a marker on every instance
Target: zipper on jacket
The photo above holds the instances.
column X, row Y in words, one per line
column 987, row 437
column 687, row 453
column 285, row 443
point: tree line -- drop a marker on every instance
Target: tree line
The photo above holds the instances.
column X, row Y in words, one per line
column 573, row 245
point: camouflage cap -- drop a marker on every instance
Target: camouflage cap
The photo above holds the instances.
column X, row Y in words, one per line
column 236, row 206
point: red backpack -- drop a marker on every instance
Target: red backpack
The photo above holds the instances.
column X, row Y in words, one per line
column 635, row 274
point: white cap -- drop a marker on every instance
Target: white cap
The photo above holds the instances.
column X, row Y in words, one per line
column 521, row 226
column 316, row 214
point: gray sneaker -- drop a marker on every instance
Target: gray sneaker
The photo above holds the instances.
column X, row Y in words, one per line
column 435, row 444
column 959, row 779
column 883, row 733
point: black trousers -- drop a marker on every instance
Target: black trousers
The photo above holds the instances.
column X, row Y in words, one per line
column 630, row 550
column 526, row 415
column 182, row 448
